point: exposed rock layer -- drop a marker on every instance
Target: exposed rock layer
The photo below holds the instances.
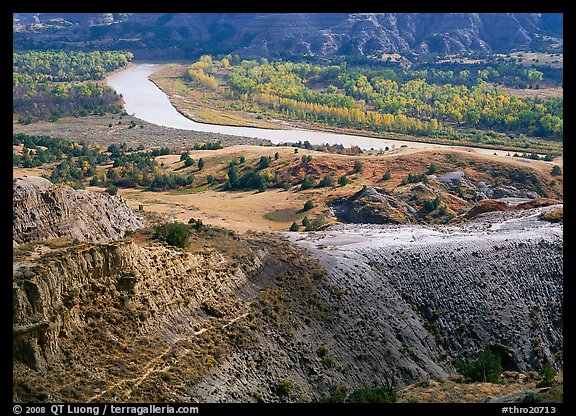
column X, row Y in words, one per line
column 270, row 34
column 395, row 302
column 43, row 210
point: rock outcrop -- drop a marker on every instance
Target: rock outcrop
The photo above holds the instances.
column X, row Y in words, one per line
column 496, row 280
column 272, row 34
column 157, row 287
column 374, row 206
column 267, row 318
column 43, row 210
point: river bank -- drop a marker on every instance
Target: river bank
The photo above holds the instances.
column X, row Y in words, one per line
column 143, row 99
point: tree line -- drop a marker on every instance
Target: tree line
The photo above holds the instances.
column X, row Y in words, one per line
column 433, row 102
column 48, row 85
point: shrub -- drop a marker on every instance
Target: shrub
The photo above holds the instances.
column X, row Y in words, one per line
column 343, row 180
column 357, row 166
column 556, row 170
column 294, row 227
column 196, row 223
column 485, row 368
column 264, row 162
column 326, row 181
column 387, row 175
column 342, row 394
column 372, row 395
column 175, row 234
column 285, row 387
column 308, row 205
column 546, row 374
column 307, row 183
column 200, row 164
column 188, row 161
column 315, row 224
column 432, row 169
column 112, row 190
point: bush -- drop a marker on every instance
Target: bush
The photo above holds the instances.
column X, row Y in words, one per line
column 307, row 183
column 294, row 227
column 357, row 166
column 343, row 180
column 386, row 394
column 556, row 170
column 189, row 161
column 432, row 169
column 546, row 375
column 285, row 387
column 326, row 181
column 485, row 368
column 175, row 234
column 372, row 395
column 308, row 205
column 112, row 190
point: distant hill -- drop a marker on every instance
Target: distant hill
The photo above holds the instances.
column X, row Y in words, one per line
column 184, row 35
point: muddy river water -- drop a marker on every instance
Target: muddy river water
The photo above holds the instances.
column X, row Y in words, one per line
column 144, row 100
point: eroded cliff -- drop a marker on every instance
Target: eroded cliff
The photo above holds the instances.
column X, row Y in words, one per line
column 43, row 210
column 256, row 318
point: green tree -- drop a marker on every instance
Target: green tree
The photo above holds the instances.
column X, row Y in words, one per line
column 432, row 169
column 547, row 376
column 372, row 395
column 264, row 162
column 485, row 368
column 308, row 205
column 305, row 222
column 327, row 181
column 308, row 182
column 189, row 161
column 200, row 164
column 357, row 166
column 343, row 180
column 387, row 175
column 112, row 189
column 175, row 234
column 556, row 170
column 294, row 227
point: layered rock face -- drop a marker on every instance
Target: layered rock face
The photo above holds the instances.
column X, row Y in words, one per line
column 495, row 280
column 159, row 288
column 43, row 210
column 266, row 318
column 374, row 206
column 271, row 34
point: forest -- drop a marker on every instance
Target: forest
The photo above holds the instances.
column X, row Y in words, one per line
column 48, row 85
column 430, row 102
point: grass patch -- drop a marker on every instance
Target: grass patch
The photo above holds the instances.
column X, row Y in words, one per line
column 185, row 191
column 554, row 215
column 283, row 215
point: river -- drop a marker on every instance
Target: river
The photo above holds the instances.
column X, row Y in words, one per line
column 144, row 100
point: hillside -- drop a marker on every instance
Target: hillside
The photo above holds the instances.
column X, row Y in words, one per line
column 253, row 317
column 184, row 35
